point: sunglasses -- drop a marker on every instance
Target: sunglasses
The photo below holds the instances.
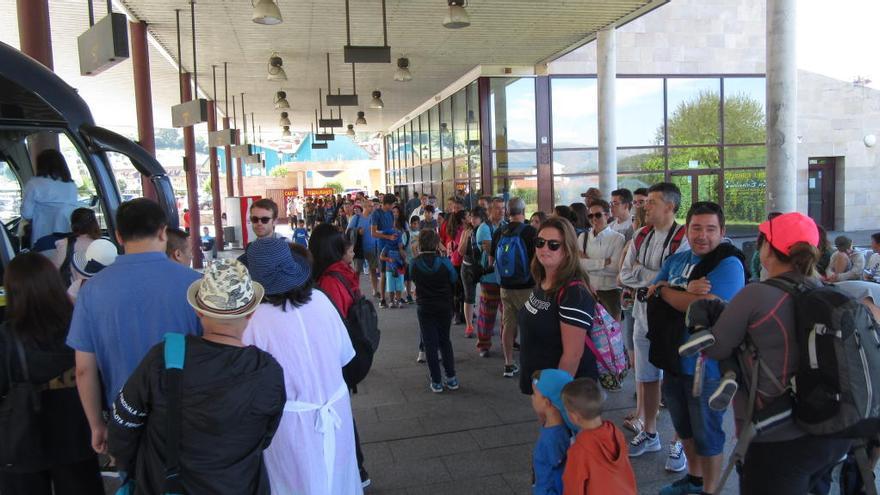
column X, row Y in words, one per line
column 596, row 215
column 263, row 220
column 553, row 245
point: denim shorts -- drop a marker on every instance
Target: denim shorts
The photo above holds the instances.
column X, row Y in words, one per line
column 645, row 371
column 691, row 416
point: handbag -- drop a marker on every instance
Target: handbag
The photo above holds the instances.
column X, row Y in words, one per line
column 21, row 437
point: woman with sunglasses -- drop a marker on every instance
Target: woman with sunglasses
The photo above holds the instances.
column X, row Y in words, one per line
column 601, row 249
column 558, row 315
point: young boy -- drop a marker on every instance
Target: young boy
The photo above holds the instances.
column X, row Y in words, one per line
column 548, row 459
column 411, row 252
column 429, row 222
column 231, row 399
column 393, row 255
column 301, row 235
column 598, row 461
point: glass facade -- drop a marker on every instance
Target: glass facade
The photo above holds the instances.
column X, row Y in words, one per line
column 706, row 134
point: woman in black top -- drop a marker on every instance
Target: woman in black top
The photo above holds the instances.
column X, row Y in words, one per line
column 556, row 320
column 38, row 314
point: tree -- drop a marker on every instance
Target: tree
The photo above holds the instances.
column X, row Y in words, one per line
column 279, row 172
column 206, row 186
column 168, row 139
column 201, row 145
column 337, row 187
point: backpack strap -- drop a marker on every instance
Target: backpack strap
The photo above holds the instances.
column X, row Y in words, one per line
column 640, row 237
column 175, row 351
column 344, row 283
column 748, row 432
column 589, row 339
column 68, row 258
column 675, row 243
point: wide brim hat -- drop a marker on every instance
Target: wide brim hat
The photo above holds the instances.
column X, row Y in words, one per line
column 100, row 254
column 273, row 265
column 225, row 292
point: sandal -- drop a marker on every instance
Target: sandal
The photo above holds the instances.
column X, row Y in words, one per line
column 633, row 423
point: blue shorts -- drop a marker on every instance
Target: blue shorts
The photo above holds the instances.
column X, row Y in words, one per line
column 691, row 416
column 393, row 282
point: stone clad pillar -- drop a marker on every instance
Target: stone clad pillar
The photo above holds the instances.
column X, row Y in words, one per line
column 606, row 75
column 781, row 106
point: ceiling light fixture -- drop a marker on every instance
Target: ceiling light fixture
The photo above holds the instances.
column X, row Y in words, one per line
column 361, row 120
column 366, row 54
column 275, row 69
column 284, row 121
column 377, row 102
column 266, row 12
column 402, row 73
column 350, row 131
column 457, row 17
column 281, row 102
column 286, row 132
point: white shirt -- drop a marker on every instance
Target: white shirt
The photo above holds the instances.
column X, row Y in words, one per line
column 640, row 269
column 873, row 262
column 606, row 244
column 48, row 203
column 625, row 228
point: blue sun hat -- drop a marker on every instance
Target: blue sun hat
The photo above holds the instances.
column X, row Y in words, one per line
column 273, row 265
column 550, row 385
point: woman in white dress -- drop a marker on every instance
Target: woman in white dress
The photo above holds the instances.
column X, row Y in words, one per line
column 50, row 197
column 313, row 451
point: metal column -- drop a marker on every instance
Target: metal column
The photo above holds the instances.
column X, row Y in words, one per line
column 227, row 155
column 140, row 58
column 215, row 178
column 192, row 179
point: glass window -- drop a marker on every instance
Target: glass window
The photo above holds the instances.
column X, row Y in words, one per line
column 434, row 118
column 461, row 167
column 10, row 193
column 744, row 113
column 568, row 190
column 512, row 113
column 446, row 136
column 519, row 187
column 745, row 156
column 574, row 107
column 405, row 146
column 448, row 170
column 639, row 107
column 636, row 181
column 476, row 166
column 684, row 158
column 435, row 172
column 514, row 163
column 415, row 155
column 417, row 174
column 640, row 160
column 424, row 140
column 473, row 118
column 575, row 161
column 694, row 111
column 744, row 200
column 459, row 122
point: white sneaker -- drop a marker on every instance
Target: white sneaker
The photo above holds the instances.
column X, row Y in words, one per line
column 642, row 443
column 421, row 357
column 676, row 461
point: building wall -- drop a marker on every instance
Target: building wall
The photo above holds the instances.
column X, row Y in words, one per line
column 683, row 37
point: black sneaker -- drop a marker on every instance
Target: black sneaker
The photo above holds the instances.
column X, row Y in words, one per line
column 484, row 353
column 510, row 370
column 721, row 397
column 696, row 343
column 383, row 304
column 365, row 478
column 515, row 345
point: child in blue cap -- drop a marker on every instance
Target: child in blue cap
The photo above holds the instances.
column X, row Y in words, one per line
column 554, row 439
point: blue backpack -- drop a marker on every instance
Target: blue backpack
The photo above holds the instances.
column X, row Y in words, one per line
column 512, row 259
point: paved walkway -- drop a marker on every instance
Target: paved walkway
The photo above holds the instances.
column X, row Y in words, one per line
column 477, row 439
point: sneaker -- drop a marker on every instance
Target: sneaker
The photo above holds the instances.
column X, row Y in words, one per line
column 436, row 387
column 377, row 295
column 515, row 345
column 469, row 332
column 421, row 357
column 642, row 443
column 365, row 478
column 696, row 343
column 676, row 461
column 681, row 487
column 383, row 304
column 721, row 397
column 484, row 353
column 409, row 300
column 510, row 370
column 452, row 383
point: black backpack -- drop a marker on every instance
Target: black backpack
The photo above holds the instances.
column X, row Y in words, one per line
column 362, row 323
column 21, row 443
column 65, row 268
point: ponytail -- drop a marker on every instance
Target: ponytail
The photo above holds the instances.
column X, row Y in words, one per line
column 803, row 257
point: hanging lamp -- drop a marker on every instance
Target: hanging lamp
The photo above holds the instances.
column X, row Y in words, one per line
column 402, row 73
column 266, row 12
column 457, row 17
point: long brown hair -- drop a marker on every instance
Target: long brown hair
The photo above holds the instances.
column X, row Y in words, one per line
column 570, row 269
column 37, row 305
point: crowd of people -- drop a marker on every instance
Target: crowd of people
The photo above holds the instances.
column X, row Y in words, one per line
column 238, row 379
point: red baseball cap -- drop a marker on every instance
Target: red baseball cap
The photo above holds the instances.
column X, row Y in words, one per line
column 788, row 229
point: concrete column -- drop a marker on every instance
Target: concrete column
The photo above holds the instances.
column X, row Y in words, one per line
column 227, row 155
column 192, row 179
column 143, row 96
column 606, row 75
column 781, row 106
column 215, row 178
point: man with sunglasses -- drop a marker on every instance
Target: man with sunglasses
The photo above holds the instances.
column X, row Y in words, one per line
column 710, row 269
column 621, row 212
column 263, row 215
column 600, row 250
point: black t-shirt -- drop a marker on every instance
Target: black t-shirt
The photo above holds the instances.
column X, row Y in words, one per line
column 541, row 335
column 528, row 236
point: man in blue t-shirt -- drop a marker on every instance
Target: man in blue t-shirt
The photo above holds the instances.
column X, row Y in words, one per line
column 698, row 426
column 125, row 310
column 361, row 223
column 382, row 229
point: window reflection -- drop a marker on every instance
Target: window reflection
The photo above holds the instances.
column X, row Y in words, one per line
column 525, row 188
column 639, row 108
column 575, row 112
column 693, row 111
column 446, row 137
column 640, row 160
column 575, row 162
column 472, row 118
column 744, row 113
column 568, row 190
column 514, row 163
column 459, row 122
column 694, row 158
column 512, row 113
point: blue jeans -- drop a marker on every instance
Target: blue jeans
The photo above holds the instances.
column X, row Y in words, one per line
column 691, row 416
column 434, row 326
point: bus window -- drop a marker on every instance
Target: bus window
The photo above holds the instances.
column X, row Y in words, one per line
column 10, row 193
